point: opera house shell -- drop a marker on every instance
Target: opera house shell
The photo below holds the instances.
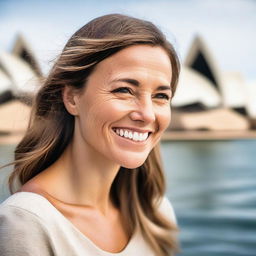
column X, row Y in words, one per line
column 206, row 99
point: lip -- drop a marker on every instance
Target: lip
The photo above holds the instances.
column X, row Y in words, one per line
column 133, row 129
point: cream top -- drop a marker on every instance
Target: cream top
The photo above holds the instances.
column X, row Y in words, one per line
column 30, row 225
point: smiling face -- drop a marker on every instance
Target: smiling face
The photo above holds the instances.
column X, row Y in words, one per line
column 125, row 106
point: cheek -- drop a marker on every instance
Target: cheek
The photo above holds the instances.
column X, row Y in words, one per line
column 106, row 111
column 164, row 119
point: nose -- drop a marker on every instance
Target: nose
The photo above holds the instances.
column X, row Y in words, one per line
column 144, row 111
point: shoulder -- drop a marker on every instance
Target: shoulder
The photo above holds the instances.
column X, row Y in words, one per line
column 166, row 208
column 30, row 205
column 14, row 217
column 27, row 202
column 22, row 232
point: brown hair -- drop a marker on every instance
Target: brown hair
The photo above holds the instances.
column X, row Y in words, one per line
column 51, row 127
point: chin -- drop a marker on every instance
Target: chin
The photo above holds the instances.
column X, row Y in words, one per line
column 133, row 163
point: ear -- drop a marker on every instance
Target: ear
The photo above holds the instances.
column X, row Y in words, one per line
column 69, row 97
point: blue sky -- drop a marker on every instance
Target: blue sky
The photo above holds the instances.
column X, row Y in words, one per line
column 227, row 26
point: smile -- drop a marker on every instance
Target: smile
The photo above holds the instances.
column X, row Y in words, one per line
column 128, row 134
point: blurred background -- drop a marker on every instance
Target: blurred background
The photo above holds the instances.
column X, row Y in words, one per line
column 209, row 149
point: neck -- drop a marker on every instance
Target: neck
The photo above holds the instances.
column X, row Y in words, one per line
column 82, row 177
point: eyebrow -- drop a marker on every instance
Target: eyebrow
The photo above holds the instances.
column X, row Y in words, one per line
column 137, row 84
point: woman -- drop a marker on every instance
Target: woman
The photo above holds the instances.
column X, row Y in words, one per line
column 90, row 177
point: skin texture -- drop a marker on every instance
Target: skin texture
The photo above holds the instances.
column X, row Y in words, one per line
column 80, row 180
column 99, row 109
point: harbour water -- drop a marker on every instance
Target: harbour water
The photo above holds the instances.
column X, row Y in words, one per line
column 212, row 186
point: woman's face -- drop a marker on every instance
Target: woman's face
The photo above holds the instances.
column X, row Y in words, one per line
column 125, row 106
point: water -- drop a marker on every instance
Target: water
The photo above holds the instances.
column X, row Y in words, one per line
column 212, row 185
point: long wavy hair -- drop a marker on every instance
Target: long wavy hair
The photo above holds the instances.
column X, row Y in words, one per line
column 137, row 193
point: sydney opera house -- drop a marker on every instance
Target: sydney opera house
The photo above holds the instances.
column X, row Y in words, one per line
column 209, row 103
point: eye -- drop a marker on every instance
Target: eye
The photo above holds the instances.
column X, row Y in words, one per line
column 123, row 90
column 162, row 96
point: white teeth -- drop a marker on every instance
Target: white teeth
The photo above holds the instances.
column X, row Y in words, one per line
column 132, row 135
column 136, row 136
column 126, row 134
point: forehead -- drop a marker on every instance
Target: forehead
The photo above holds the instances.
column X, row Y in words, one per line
column 138, row 60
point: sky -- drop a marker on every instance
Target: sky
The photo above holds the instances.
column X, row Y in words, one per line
column 227, row 26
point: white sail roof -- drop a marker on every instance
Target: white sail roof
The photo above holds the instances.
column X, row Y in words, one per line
column 230, row 85
column 194, row 87
column 24, row 79
column 201, row 59
column 5, row 82
column 23, row 50
column 251, row 99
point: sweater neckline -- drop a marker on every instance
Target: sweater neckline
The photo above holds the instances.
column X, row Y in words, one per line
column 82, row 235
